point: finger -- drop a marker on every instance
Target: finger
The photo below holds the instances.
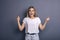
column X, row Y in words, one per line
column 17, row 17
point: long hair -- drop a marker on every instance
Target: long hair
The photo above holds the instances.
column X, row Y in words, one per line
column 35, row 14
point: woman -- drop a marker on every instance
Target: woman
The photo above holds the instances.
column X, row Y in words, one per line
column 32, row 24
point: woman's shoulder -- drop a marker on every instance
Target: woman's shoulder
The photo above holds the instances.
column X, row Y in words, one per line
column 38, row 19
column 28, row 18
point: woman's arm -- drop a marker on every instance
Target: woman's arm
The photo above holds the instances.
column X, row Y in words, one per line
column 21, row 27
column 42, row 27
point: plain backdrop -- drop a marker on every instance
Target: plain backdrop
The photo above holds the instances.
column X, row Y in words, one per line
column 10, row 9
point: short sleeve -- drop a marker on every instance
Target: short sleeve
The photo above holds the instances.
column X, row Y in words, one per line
column 39, row 21
column 24, row 20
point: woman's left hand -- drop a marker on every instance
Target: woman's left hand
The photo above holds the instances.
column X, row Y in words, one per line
column 47, row 19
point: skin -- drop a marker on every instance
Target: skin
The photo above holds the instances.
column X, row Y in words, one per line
column 31, row 13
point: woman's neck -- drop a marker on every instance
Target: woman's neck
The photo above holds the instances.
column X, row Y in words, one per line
column 32, row 17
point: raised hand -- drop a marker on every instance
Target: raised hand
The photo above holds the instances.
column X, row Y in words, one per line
column 18, row 18
column 47, row 19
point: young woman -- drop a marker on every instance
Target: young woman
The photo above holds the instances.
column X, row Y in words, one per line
column 32, row 24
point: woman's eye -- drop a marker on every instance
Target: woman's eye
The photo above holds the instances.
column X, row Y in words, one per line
column 32, row 10
column 29, row 10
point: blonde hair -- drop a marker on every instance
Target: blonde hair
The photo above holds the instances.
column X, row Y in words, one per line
column 35, row 15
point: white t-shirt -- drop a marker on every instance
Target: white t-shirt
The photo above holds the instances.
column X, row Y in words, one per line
column 31, row 25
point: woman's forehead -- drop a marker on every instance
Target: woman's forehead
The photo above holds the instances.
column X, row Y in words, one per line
column 31, row 9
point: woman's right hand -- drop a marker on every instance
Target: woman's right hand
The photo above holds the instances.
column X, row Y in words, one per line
column 21, row 27
column 18, row 18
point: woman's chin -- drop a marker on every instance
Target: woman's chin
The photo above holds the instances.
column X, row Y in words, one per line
column 31, row 15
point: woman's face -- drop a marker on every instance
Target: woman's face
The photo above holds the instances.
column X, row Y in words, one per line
column 31, row 12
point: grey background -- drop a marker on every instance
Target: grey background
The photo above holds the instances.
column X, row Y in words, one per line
column 10, row 9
